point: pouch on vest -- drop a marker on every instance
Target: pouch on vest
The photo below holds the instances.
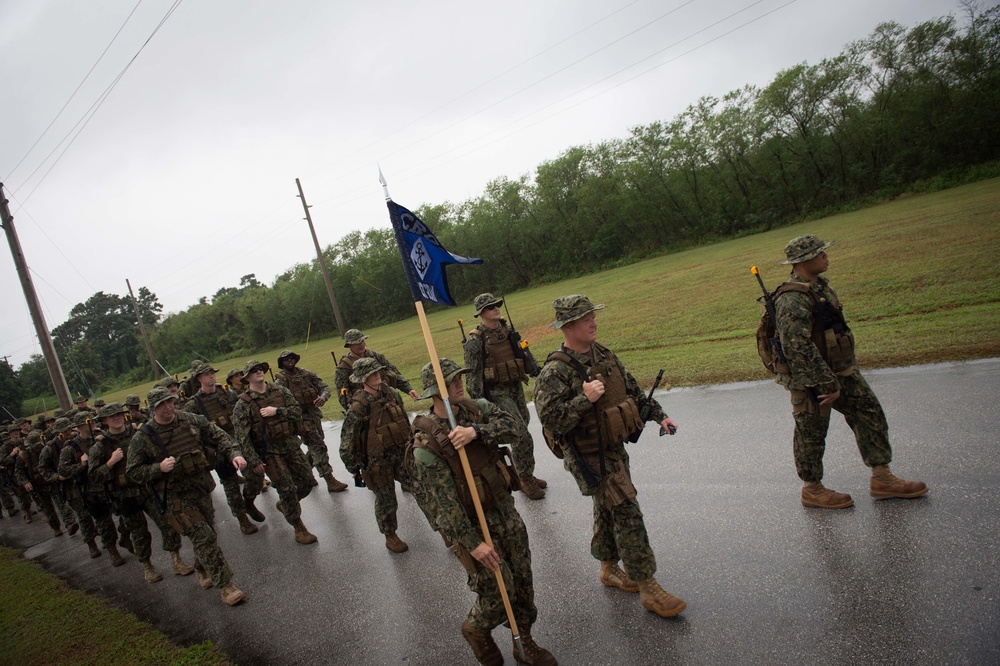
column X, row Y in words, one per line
column 514, row 480
column 183, row 518
column 553, row 442
column 275, row 467
column 378, row 476
column 465, row 558
column 616, row 488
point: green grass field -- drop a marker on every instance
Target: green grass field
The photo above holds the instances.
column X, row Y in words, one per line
column 918, row 278
column 44, row 621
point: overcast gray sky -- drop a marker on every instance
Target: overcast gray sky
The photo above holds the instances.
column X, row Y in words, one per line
column 184, row 179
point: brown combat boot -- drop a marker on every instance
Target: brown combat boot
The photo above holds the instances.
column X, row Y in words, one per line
column 95, row 552
column 483, row 646
column 332, row 485
column 232, row 595
column 246, row 526
column 73, row 528
column 28, row 515
column 56, row 531
column 613, row 576
column 534, row 655
column 125, row 541
column 885, row 484
column 818, row 496
column 149, row 573
column 116, row 558
column 654, row 598
column 302, row 535
column 541, row 483
column 531, row 489
column 395, row 544
column 204, row 580
column 179, row 566
column 254, row 512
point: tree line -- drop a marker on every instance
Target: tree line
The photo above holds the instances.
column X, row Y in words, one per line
column 897, row 107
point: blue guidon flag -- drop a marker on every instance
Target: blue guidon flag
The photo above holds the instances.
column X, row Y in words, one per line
column 424, row 258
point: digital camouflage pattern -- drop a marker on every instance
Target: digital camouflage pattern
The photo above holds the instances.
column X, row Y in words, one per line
column 92, row 513
column 857, row 402
column 286, row 465
column 483, row 301
column 619, row 533
column 510, row 538
column 189, row 500
column 390, row 375
column 508, row 396
column 571, row 308
column 803, row 248
column 312, row 420
column 353, row 452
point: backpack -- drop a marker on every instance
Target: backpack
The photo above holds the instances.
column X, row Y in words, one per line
column 768, row 340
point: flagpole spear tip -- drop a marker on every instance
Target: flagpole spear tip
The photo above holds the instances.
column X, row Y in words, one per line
column 381, row 179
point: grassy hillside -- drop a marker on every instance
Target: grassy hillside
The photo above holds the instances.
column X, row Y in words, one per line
column 918, row 278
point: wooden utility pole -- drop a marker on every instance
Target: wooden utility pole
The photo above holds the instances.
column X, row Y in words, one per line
column 322, row 263
column 41, row 329
column 142, row 329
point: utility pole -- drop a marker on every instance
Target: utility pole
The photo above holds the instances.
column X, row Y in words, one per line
column 322, row 263
column 41, row 329
column 142, row 329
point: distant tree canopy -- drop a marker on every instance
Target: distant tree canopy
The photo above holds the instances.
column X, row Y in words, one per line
column 893, row 108
column 11, row 392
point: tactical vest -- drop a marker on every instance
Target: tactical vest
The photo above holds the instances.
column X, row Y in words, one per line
column 493, row 480
column 347, row 363
column 119, row 441
column 217, row 408
column 301, row 388
column 501, row 364
column 73, row 486
column 830, row 332
column 614, row 416
column 277, row 427
column 183, row 444
column 388, row 424
column 30, row 455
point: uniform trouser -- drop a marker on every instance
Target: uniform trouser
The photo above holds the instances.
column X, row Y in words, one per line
column 89, row 526
column 291, row 476
column 231, row 486
column 620, row 534
column 63, row 507
column 192, row 515
column 7, row 497
column 510, row 398
column 43, row 498
column 384, row 472
column 864, row 415
column 312, row 435
column 510, row 540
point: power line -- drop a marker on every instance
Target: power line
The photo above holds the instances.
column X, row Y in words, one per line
column 101, row 57
column 58, row 249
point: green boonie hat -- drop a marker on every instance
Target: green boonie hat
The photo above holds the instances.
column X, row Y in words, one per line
column 79, row 398
column 364, row 368
column 232, row 373
column 81, row 418
column 804, row 248
column 19, row 421
column 62, row 424
column 449, row 369
column 99, row 403
column 132, row 399
column 159, row 394
column 287, row 353
column 200, row 368
column 71, row 414
column 169, row 380
column 58, row 412
column 254, row 364
column 111, row 409
column 484, row 301
column 354, row 337
column 571, row 308
column 34, row 437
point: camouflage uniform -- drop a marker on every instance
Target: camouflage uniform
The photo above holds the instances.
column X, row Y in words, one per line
column 189, row 491
column 507, row 395
column 377, row 457
column 9, row 489
column 286, row 466
column 133, row 502
column 303, row 384
column 224, row 402
column 26, row 471
column 461, row 526
column 342, row 378
column 619, row 532
column 48, row 467
column 92, row 510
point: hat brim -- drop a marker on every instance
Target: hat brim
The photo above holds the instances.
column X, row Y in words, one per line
column 498, row 303
column 357, row 379
column 812, row 254
column 432, row 390
column 347, row 345
column 560, row 323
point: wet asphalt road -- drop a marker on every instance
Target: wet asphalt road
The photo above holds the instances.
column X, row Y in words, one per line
column 766, row 581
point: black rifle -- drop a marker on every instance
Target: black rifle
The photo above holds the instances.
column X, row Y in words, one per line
column 521, row 348
column 772, row 312
column 462, row 329
column 646, row 408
